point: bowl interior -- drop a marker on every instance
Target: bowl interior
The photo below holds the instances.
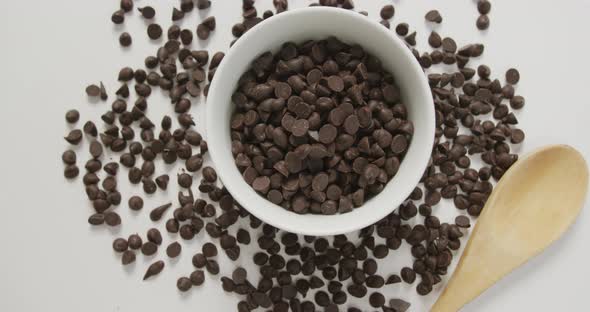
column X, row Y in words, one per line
column 319, row 23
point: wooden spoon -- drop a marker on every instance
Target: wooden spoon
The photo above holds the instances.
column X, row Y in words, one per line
column 534, row 203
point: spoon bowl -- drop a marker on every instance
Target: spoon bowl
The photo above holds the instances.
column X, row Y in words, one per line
column 534, row 203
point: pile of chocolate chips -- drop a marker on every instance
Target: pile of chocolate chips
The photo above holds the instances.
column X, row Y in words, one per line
column 474, row 118
column 319, row 127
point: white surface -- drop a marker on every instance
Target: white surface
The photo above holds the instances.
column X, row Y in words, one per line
column 320, row 23
column 53, row 261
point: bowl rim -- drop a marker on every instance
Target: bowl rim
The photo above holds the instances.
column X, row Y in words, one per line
column 218, row 86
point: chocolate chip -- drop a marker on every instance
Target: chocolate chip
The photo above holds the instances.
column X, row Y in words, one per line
column 90, row 129
column 411, row 39
column 72, row 116
column 209, row 174
column 433, row 16
column 173, row 250
column 376, row 300
column 516, row 136
column 449, row 45
column 128, row 257
column 177, row 14
column 184, row 284
column 203, row 4
column 375, row 281
column 212, row 267
column 483, row 22
column 197, row 278
column 126, row 5
column 423, row 288
column 135, row 241
column 149, row 248
column 154, row 236
column 435, row 40
column 120, row 245
column 393, row 279
column 209, row 250
column 112, row 218
column 387, row 12
column 512, row 76
column 125, row 39
column 118, row 17
column 157, row 213
column 399, row 144
column 210, row 22
column 462, row 221
column 203, row 32
column 154, row 31
column 69, row 157
column 185, row 180
column 239, row 276
column 261, row 184
column 484, row 6
column 154, row 269
column 517, row 102
column 402, row 29
column 408, row 275
column 147, row 12
column 162, row 181
column 74, row 137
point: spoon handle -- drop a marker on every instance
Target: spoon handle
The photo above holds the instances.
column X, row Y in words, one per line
column 471, row 277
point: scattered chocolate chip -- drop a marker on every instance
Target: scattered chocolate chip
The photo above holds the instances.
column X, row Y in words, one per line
column 72, row 116
column 177, row 14
column 127, row 5
column 483, row 22
column 162, row 181
column 154, row 269
column 484, row 6
column 112, row 218
column 433, row 16
column 209, row 250
column 118, row 17
column 462, row 221
column 149, row 248
column 399, row 305
column 402, row 29
column 120, row 245
column 209, row 174
column 74, row 137
column 157, row 213
column 128, row 257
column 184, row 284
column 212, row 267
column 408, row 275
column 173, row 250
column 387, row 12
column 93, row 90
column 203, row 4
column 147, row 12
column 512, row 76
column 376, row 300
column 197, row 278
column 154, row 31
column 203, row 32
column 135, row 241
column 154, row 236
column 125, row 39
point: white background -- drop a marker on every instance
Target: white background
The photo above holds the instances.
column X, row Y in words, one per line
column 51, row 260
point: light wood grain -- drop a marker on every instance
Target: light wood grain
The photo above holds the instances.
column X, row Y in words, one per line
column 534, row 203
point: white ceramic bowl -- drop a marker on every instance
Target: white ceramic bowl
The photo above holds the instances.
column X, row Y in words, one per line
column 319, row 23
